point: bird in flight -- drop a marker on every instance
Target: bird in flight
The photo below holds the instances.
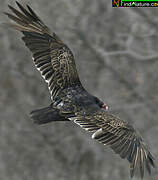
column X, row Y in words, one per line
column 69, row 100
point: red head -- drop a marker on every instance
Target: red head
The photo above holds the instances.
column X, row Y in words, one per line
column 105, row 106
column 101, row 104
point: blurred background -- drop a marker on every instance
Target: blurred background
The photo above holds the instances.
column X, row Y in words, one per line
column 116, row 52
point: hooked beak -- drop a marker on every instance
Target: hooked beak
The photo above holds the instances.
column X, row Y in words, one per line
column 105, row 107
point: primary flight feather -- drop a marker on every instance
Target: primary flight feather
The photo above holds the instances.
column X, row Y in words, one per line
column 70, row 101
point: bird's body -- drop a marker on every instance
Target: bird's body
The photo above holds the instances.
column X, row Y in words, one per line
column 73, row 101
column 70, row 101
column 76, row 100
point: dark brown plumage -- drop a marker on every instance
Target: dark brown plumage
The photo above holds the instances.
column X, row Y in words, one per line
column 70, row 101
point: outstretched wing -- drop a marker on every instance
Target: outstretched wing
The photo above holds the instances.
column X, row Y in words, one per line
column 51, row 56
column 120, row 136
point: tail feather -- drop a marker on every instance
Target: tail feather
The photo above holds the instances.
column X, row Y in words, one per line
column 46, row 115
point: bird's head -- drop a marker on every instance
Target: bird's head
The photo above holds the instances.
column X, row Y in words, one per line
column 101, row 103
column 106, row 107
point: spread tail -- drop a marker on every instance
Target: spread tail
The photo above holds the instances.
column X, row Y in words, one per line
column 46, row 115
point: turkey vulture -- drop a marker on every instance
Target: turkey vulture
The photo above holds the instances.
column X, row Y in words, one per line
column 70, row 101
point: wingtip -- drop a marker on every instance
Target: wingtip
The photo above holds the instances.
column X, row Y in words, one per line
column 17, row 2
column 5, row 13
column 8, row 14
column 20, row 6
column 144, row 160
column 9, row 6
column 30, row 9
column 151, row 159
